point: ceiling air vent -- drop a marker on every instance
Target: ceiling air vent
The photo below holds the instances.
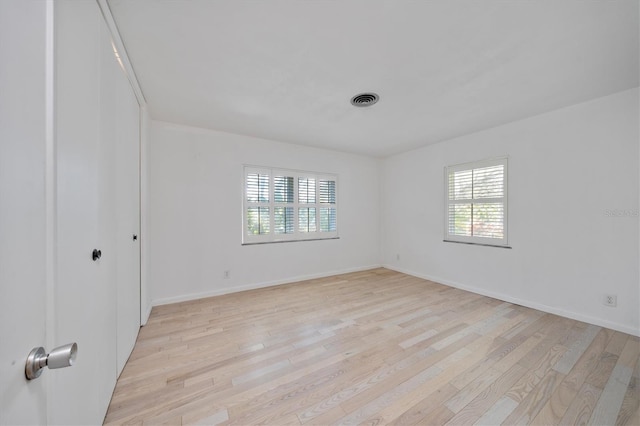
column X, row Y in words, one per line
column 364, row 99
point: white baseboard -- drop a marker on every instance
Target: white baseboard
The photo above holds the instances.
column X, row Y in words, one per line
column 253, row 286
column 506, row 298
column 145, row 314
column 500, row 296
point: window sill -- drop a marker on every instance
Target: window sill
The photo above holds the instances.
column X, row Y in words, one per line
column 289, row 241
column 477, row 244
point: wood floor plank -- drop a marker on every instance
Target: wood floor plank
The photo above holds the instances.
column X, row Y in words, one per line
column 581, row 409
column 472, row 412
column 496, row 414
column 558, row 403
column 608, row 407
column 215, row 419
column 449, row 366
column 631, row 402
column 535, row 400
column 420, row 413
column 373, row 347
column 569, row 359
column 535, row 374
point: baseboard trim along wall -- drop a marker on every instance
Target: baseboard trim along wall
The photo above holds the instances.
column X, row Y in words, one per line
column 145, row 314
column 254, row 286
column 505, row 298
column 544, row 308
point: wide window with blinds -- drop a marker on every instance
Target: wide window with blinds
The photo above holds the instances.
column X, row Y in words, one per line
column 476, row 202
column 287, row 205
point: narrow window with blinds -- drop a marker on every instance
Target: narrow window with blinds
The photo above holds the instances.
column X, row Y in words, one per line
column 286, row 205
column 476, row 202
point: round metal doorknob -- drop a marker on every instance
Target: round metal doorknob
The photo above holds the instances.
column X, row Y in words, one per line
column 60, row 357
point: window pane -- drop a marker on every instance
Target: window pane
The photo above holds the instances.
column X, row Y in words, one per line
column 488, row 182
column 488, row 220
column 327, row 219
column 306, row 191
column 257, row 188
column 307, row 219
column 327, row 191
column 283, row 189
column 289, row 205
column 257, row 220
column 283, row 220
column 477, row 202
column 461, row 185
column 460, row 219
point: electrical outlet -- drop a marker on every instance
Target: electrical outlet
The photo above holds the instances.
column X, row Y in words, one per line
column 227, row 275
column 397, row 257
column 610, row 300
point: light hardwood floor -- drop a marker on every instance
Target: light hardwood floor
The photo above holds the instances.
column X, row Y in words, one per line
column 374, row 347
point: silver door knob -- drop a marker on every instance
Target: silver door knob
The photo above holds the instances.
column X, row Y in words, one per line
column 60, row 357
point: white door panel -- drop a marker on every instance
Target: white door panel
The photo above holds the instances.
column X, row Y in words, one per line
column 98, row 128
column 106, row 220
column 51, row 218
column 22, row 207
column 127, row 218
column 84, row 300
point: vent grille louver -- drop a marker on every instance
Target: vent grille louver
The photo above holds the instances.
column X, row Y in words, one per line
column 364, row 99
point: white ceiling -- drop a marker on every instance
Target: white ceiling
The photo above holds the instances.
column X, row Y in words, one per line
column 286, row 69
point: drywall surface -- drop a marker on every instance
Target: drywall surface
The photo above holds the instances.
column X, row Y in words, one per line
column 195, row 190
column 573, row 213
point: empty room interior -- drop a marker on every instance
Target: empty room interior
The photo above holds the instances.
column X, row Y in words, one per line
column 320, row 212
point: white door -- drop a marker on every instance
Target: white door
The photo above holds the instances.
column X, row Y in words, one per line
column 127, row 183
column 85, row 297
column 58, row 201
column 97, row 302
column 23, row 224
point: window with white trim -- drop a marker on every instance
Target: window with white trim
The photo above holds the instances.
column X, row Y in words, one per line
column 287, row 205
column 476, row 202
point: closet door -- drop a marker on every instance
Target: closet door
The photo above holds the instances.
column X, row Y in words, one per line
column 127, row 182
column 53, row 290
column 97, row 299
column 85, row 289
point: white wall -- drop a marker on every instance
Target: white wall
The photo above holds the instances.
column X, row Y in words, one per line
column 567, row 168
column 195, row 210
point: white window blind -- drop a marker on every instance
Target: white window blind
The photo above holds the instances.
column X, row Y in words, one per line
column 476, row 202
column 287, row 205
